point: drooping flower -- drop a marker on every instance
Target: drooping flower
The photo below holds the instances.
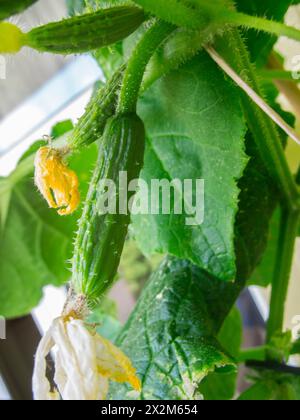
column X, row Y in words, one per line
column 11, row 38
column 57, row 183
column 84, row 363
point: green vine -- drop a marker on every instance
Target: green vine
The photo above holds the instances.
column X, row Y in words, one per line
column 137, row 64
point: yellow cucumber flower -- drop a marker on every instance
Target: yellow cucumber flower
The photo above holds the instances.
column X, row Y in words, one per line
column 12, row 39
column 84, row 364
column 57, row 183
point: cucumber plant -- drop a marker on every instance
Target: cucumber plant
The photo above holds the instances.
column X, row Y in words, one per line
column 185, row 99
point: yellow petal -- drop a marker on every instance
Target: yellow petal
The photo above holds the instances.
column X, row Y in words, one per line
column 11, row 38
column 57, row 183
column 114, row 364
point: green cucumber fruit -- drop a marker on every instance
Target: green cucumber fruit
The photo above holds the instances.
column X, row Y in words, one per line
column 102, row 106
column 100, row 238
column 86, row 32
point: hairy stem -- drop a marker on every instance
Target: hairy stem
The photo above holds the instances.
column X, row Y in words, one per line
column 272, row 74
column 137, row 64
column 253, row 95
column 174, row 11
column 264, row 130
column 269, row 26
column 180, row 48
column 285, row 254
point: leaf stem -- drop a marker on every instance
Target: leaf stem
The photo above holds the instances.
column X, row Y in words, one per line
column 285, row 254
column 137, row 64
column 257, row 353
column 253, row 95
column 272, row 74
column 264, row 130
column 269, row 26
column 273, row 366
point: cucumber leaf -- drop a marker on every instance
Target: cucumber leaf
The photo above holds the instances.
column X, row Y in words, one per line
column 195, row 130
column 263, row 274
column 170, row 336
column 222, row 386
column 36, row 243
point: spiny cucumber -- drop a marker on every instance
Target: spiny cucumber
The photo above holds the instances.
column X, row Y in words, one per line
column 100, row 239
column 102, row 106
column 86, row 32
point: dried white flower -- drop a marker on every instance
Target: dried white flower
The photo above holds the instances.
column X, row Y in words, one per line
column 84, row 363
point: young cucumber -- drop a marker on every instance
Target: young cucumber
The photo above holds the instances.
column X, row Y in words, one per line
column 101, row 237
column 86, row 32
column 12, row 7
column 101, row 107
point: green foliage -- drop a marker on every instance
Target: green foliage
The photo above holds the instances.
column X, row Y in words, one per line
column 263, row 273
column 183, row 144
column 222, row 386
column 260, row 44
column 273, row 386
column 12, row 7
column 184, row 335
column 170, row 336
column 280, row 347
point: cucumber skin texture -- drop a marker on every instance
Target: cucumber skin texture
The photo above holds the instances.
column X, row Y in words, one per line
column 100, row 238
column 86, row 32
column 12, row 7
column 102, row 106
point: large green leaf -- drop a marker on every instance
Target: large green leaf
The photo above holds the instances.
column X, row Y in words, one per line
column 195, row 130
column 222, row 386
column 170, row 336
column 36, row 243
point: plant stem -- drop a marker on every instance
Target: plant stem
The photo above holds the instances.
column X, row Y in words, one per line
column 258, row 354
column 273, row 366
column 137, row 64
column 174, row 11
column 253, row 95
column 285, row 254
column 254, row 22
column 181, row 47
column 263, row 129
column 270, row 75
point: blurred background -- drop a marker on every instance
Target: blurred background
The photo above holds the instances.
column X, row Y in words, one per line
column 39, row 90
